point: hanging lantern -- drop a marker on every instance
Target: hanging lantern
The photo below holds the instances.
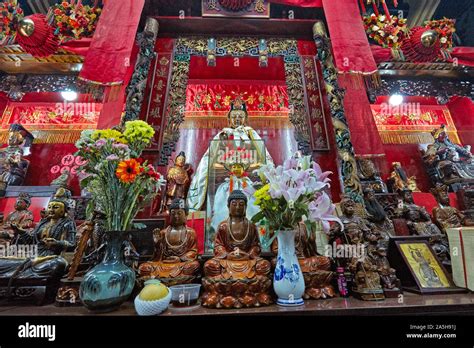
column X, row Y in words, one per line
column 36, row 36
column 422, row 46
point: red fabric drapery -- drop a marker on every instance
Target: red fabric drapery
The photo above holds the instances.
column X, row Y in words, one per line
column 108, row 57
column 364, row 133
column 349, row 41
column 462, row 113
column 464, row 55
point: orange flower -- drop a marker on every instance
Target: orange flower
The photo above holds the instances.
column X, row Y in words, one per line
column 128, row 170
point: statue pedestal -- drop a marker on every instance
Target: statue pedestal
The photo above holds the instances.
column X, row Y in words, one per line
column 236, row 293
column 68, row 293
column 318, row 285
column 369, row 295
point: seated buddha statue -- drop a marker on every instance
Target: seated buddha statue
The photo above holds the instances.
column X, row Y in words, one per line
column 52, row 236
column 21, row 217
column 236, row 276
column 176, row 251
column 444, row 215
column 316, row 268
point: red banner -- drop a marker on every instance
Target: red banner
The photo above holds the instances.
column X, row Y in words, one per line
column 214, row 99
column 411, row 123
column 52, row 122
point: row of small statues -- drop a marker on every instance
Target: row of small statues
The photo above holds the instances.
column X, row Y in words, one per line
column 445, row 162
column 237, row 275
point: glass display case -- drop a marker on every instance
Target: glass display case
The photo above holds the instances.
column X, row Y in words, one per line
column 231, row 167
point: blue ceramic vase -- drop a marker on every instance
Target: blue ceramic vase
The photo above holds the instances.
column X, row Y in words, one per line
column 106, row 286
column 288, row 281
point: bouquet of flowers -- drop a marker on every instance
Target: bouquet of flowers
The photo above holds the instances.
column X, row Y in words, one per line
column 10, row 15
column 120, row 182
column 386, row 31
column 74, row 21
column 293, row 193
column 445, row 29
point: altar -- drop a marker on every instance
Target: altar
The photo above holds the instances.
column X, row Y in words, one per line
column 234, row 158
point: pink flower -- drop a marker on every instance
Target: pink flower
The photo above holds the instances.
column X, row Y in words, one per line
column 112, row 158
column 322, row 210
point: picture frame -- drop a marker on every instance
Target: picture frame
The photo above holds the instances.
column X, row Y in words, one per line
column 419, row 268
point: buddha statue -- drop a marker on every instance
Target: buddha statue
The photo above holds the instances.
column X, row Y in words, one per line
column 444, row 215
column 378, row 216
column 399, row 179
column 316, row 268
column 239, row 133
column 53, row 235
column 176, row 250
column 13, row 166
column 236, row 276
column 21, row 217
column 64, row 192
column 178, row 179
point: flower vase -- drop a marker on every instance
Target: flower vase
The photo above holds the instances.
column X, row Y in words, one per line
column 110, row 283
column 288, row 281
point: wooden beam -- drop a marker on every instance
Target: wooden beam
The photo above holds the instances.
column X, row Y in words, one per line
column 211, row 26
column 14, row 60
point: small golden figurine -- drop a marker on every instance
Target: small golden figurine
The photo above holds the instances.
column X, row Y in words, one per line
column 178, row 180
column 399, row 180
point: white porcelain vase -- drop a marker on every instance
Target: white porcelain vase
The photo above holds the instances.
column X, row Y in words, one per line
column 288, row 281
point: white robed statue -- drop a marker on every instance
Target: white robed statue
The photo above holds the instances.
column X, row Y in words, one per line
column 240, row 136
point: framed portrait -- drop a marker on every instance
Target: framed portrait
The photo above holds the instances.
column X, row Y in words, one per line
column 420, row 269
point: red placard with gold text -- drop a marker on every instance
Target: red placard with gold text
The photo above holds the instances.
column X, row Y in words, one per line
column 411, row 123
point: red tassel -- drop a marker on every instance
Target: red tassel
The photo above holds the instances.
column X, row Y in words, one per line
column 362, row 6
column 395, row 3
column 385, row 8
column 376, row 10
column 42, row 42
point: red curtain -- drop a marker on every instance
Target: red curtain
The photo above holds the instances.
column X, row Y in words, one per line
column 364, row 134
column 108, row 58
column 462, row 113
column 464, row 55
column 349, row 41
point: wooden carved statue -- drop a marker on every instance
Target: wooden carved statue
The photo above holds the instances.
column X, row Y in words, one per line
column 399, row 179
column 378, row 216
column 178, row 180
column 13, row 166
column 176, row 250
column 236, row 276
column 21, row 218
column 444, row 215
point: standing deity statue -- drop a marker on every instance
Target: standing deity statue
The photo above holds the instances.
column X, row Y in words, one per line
column 13, row 166
column 21, row 218
column 399, row 179
column 239, row 133
column 178, row 179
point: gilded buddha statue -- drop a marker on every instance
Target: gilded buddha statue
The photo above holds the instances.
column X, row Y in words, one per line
column 316, row 268
column 236, row 276
column 53, row 235
column 13, row 166
column 176, row 250
column 21, row 217
column 178, row 179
